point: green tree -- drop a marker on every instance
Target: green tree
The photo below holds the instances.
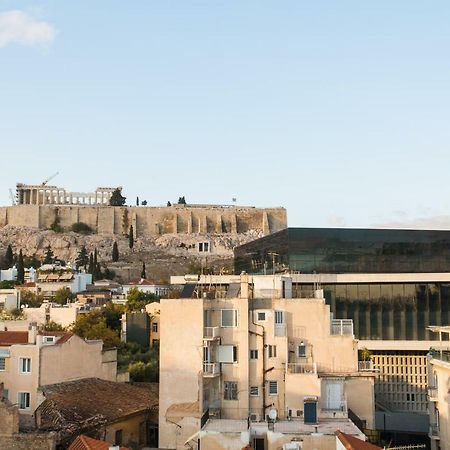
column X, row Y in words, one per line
column 136, row 300
column 93, row 326
column 52, row 326
column 81, row 228
column 115, row 252
column 64, row 296
column 31, row 299
column 49, row 257
column 117, row 199
column 169, row 204
column 9, row 257
column 181, row 200
column 82, row 258
column 20, row 268
column 8, row 284
column 131, row 237
column 137, row 201
column 143, row 273
column 113, row 314
column 91, row 264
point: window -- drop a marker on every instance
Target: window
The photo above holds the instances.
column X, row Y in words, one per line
column 253, row 354
column 5, row 394
column 2, row 363
column 272, row 351
column 155, row 327
column 273, row 387
column 25, row 365
column 254, row 391
column 227, row 354
column 48, row 339
column 230, row 391
column 118, row 437
column 229, row 318
column 302, row 350
column 24, row 400
column 279, row 317
column 261, row 316
column 203, row 247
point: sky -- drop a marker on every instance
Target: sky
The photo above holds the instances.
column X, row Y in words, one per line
column 336, row 110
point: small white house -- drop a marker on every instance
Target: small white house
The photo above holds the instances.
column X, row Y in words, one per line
column 147, row 286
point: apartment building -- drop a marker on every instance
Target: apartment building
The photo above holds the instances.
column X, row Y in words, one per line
column 31, row 359
column 242, row 361
column 393, row 284
column 439, row 389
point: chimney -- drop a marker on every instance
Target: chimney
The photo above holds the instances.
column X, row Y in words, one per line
column 244, row 285
column 32, row 333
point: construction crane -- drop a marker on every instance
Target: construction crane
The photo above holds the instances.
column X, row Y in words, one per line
column 12, row 197
column 49, row 178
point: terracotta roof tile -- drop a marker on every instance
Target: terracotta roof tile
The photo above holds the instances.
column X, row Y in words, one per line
column 107, row 401
column 353, row 443
column 8, row 338
column 86, row 443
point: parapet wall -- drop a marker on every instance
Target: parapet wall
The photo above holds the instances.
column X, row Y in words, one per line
column 148, row 221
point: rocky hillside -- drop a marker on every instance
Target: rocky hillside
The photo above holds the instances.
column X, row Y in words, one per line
column 166, row 255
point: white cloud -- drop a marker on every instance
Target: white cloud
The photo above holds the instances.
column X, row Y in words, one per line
column 424, row 223
column 20, row 28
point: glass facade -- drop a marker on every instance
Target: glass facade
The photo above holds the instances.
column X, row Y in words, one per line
column 399, row 311
column 341, row 250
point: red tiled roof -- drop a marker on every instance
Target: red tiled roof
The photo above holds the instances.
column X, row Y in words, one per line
column 13, row 337
column 353, row 443
column 86, row 443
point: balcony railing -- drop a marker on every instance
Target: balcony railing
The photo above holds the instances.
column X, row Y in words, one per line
column 341, row 327
column 443, row 355
column 308, row 368
column 432, row 393
column 211, row 369
column 434, row 430
column 211, row 332
column 366, row 366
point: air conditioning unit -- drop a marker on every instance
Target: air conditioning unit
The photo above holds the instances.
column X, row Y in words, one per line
column 255, row 418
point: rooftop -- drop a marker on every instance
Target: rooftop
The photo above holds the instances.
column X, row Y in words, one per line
column 93, row 399
column 87, row 443
column 352, row 443
column 8, row 338
column 143, row 282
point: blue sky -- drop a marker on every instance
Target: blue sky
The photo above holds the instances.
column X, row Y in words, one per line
column 338, row 111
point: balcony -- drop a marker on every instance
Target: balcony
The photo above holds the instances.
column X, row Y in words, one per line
column 434, row 431
column 366, row 366
column 433, row 394
column 211, row 333
column 302, row 368
column 211, row 370
column 336, row 411
column 341, row 327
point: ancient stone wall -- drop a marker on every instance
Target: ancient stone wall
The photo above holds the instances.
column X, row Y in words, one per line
column 148, row 221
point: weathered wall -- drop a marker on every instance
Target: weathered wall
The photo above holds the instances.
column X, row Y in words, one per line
column 148, row 221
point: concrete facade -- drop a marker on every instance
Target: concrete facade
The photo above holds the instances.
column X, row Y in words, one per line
column 248, row 349
column 148, row 221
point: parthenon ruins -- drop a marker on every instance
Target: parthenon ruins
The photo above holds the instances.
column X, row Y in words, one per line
column 28, row 194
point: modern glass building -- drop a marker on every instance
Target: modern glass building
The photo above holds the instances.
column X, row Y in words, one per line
column 345, row 250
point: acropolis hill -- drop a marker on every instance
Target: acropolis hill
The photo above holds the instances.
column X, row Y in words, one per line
column 171, row 232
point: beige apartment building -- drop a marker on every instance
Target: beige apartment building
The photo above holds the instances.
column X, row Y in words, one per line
column 439, row 390
column 243, row 362
column 31, row 359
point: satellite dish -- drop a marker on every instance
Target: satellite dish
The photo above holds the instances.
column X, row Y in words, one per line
column 273, row 414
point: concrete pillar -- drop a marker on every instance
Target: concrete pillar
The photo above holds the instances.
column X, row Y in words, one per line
column 219, row 227
column 233, row 220
column 189, row 222
column 44, row 196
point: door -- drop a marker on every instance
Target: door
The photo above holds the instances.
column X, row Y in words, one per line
column 334, row 395
column 310, row 412
column 258, row 444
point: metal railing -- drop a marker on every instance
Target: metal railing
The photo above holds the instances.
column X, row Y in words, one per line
column 341, row 327
column 211, row 369
column 443, row 355
column 432, row 392
column 211, row 332
column 366, row 366
column 308, row 368
column 434, row 429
